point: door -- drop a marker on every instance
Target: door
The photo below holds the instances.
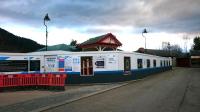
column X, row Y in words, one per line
column 127, row 65
column 86, row 66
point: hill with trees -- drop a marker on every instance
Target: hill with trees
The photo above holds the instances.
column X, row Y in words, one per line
column 12, row 43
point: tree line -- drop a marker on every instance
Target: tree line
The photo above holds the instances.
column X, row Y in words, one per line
column 12, row 43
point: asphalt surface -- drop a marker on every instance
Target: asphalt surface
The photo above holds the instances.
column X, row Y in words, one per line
column 177, row 90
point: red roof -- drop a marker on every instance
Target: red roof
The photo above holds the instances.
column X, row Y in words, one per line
column 107, row 40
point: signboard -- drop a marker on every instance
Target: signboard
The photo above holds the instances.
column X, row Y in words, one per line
column 100, row 62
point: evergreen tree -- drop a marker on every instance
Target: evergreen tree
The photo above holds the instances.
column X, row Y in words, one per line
column 73, row 43
column 196, row 45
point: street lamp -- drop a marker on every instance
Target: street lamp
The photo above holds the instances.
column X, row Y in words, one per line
column 144, row 31
column 169, row 48
column 46, row 18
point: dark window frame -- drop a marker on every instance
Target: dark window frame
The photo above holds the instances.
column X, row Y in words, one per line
column 148, row 63
column 139, row 63
column 154, row 63
column 164, row 63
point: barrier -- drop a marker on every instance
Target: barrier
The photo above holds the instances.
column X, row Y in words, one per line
column 28, row 80
column 43, row 80
column 57, row 80
column 32, row 80
column 10, row 80
column 1, row 81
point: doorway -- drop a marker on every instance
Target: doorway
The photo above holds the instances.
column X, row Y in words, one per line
column 86, row 66
column 127, row 65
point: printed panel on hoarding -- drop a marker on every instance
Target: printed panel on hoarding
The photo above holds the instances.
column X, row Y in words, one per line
column 61, row 63
column 51, row 64
column 76, row 64
column 112, row 62
column 68, row 63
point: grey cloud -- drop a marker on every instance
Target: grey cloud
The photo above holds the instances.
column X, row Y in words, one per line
column 22, row 11
column 159, row 15
column 176, row 15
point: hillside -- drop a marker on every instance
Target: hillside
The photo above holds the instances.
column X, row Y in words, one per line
column 12, row 43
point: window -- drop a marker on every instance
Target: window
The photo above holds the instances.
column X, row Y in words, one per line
column 13, row 65
column 139, row 63
column 161, row 63
column 154, row 63
column 34, row 65
column 148, row 63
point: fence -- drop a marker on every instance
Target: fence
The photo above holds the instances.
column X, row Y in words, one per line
column 13, row 81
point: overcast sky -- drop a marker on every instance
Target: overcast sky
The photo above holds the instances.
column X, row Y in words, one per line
column 165, row 20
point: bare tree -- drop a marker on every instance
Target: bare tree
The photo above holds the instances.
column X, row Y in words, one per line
column 172, row 48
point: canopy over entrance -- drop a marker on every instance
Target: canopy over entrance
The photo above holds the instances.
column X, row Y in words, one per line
column 101, row 43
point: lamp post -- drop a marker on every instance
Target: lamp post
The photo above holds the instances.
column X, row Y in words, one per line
column 46, row 18
column 144, row 31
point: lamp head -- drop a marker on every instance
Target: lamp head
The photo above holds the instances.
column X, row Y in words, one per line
column 46, row 18
column 145, row 31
